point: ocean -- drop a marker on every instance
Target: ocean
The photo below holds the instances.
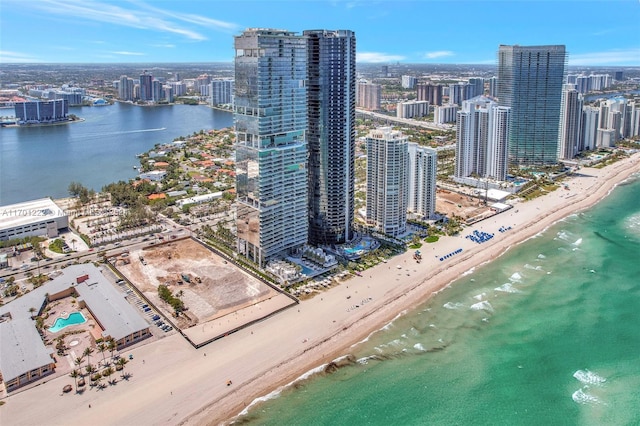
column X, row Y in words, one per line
column 38, row 162
column 547, row 334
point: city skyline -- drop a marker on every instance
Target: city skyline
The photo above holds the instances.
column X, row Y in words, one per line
column 388, row 32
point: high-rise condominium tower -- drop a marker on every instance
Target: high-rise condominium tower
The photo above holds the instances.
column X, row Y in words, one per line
column 482, row 130
column 331, row 134
column 530, row 83
column 422, row 180
column 146, row 87
column 387, row 180
column 570, row 123
column 270, row 114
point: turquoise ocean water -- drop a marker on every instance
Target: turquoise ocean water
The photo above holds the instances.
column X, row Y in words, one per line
column 548, row 334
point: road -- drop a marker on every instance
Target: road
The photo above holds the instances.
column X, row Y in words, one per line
column 427, row 125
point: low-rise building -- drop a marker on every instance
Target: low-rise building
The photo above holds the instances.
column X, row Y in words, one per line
column 25, row 358
column 32, row 218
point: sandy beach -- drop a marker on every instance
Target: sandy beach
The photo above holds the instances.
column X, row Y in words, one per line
column 173, row 383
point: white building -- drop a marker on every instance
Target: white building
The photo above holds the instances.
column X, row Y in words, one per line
column 589, row 129
column 411, row 109
column 408, row 82
column 482, row 131
column 221, row 91
column 24, row 357
column 387, row 180
column 570, row 122
column 422, row 180
column 445, row 114
column 40, row 217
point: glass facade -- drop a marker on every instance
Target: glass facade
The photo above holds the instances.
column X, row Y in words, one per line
column 530, row 83
column 271, row 154
column 331, row 134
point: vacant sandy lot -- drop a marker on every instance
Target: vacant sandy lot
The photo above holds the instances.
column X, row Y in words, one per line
column 210, row 287
column 467, row 207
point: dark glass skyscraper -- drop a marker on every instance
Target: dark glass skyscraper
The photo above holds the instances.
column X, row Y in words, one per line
column 530, row 83
column 331, row 134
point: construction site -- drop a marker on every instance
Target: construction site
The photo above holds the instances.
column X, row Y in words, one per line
column 469, row 208
column 217, row 296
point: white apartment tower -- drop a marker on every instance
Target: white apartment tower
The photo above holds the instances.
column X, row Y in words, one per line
column 387, row 180
column 589, row 129
column 570, row 123
column 422, row 180
column 482, row 134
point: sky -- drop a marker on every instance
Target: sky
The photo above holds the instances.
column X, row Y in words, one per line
column 595, row 32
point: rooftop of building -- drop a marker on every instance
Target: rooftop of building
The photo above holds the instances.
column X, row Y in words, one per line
column 19, row 214
column 22, row 348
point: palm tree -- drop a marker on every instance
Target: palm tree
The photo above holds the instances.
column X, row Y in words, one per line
column 87, row 352
column 31, row 311
column 112, row 345
column 121, row 363
column 90, row 369
column 107, row 373
column 102, row 348
column 78, row 362
column 75, row 374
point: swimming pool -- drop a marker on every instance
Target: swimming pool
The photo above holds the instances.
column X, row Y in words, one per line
column 73, row 319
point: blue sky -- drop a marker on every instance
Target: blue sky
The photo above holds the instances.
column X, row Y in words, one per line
column 596, row 32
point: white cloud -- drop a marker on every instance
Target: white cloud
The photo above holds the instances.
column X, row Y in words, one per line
column 612, row 57
column 8, row 57
column 142, row 16
column 438, row 54
column 165, row 45
column 375, row 57
column 126, row 53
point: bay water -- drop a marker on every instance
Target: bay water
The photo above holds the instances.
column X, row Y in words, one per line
column 547, row 334
column 41, row 161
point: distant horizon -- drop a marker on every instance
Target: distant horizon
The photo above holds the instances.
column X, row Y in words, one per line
column 230, row 63
column 465, row 32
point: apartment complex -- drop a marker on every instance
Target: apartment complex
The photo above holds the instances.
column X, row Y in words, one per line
column 422, row 181
column 482, row 130
column 570, row 123
column 270, row 114
column 530, row 82
column 331, row 134
column 387, row 180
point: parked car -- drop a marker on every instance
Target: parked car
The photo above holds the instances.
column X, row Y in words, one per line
column 156, row 317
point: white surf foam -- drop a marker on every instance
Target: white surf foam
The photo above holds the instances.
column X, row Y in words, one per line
column 480, row 296
column 542, row 256
column 581, row 397
column 515, row 277
column 450, row 305
column 507, row 288
column 276, row 393
column 578, row 242
column 482, row 306
column 419, row 347
column 589, row 377
column 534, row 268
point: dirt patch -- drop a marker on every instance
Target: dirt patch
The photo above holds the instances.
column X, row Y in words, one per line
column 209, row 286
column 452, row 203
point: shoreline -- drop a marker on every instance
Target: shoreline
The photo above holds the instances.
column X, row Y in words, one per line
column 181, row 385
column 554, row 216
